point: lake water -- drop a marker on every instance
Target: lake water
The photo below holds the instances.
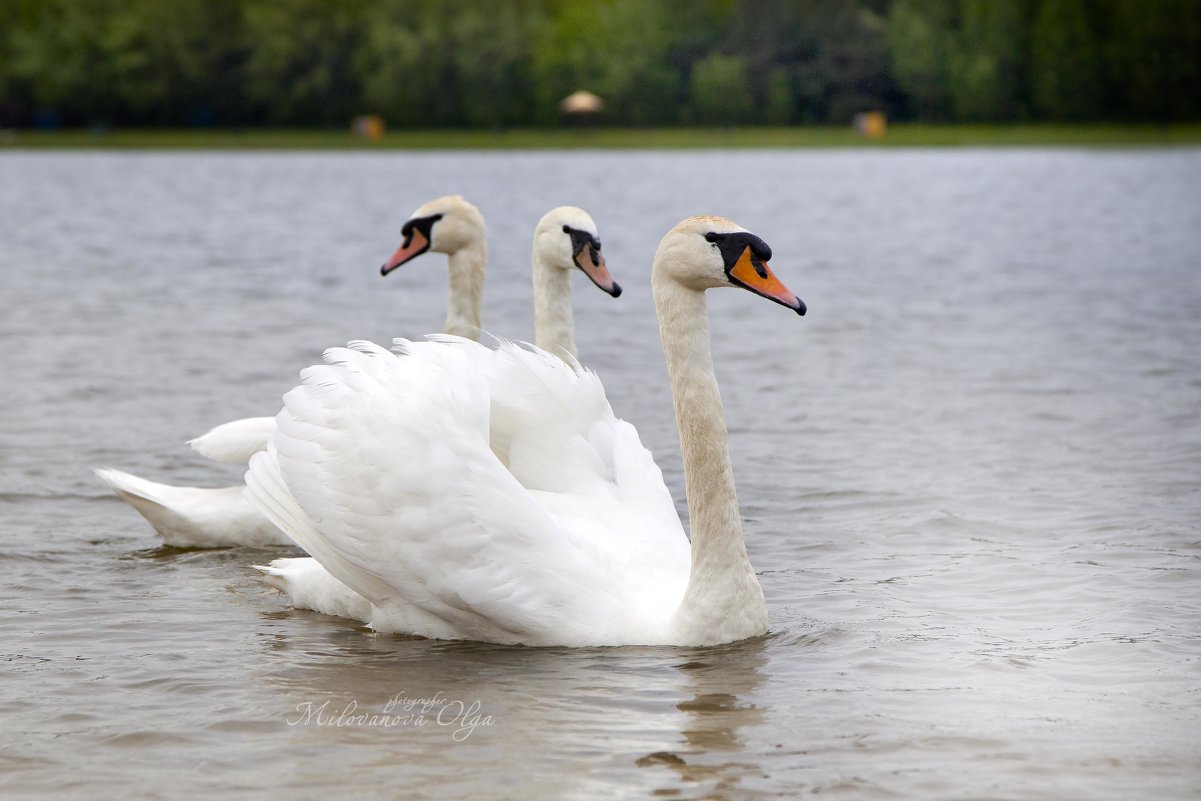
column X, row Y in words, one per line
column 971, row 479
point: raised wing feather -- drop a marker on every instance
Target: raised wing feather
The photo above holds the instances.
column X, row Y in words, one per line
column 236, row 441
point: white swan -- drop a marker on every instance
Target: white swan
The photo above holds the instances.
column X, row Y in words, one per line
column 466, row 493
column 566, row 237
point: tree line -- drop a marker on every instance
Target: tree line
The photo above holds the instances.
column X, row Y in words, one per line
column 465, row 63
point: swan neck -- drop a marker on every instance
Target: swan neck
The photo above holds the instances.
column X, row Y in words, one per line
column 554, row 326
column 466, row 267
column 723, row 601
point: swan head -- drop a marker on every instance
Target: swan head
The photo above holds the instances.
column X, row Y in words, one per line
column 706, row 252
column 566, row 238
column 444, row 225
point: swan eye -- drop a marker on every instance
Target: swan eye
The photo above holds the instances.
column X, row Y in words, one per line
column 734, row 243
column 422, row 224
column 581, row 240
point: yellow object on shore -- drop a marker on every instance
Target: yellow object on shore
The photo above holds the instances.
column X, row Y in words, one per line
column 368, row 126
column 872, row 124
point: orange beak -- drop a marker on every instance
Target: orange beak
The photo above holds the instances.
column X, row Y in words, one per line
column 592, row 262
column 753, row 274
column 414, row 245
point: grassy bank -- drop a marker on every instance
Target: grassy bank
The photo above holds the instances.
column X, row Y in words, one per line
column 617, row 138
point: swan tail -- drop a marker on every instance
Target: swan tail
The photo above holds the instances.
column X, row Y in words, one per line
column 136, row 491
column 308, row 585
column 273, row 576
column 157, row 503
column 194, row 517
column 235, row 442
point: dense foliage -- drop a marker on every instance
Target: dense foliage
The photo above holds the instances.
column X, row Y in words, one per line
column 499, row 63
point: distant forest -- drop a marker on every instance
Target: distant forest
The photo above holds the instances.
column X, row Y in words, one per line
column 507, row 63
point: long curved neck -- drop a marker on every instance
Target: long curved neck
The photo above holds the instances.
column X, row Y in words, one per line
column 724, row 601
column 554, row 327
column 466, row 268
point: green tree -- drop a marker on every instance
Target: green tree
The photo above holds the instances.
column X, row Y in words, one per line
column 300, row 67
column 853, row 62
column 433, row 62
column 833, row 52
column 919, row 34
column 1065, row 68
column 986, row 62
column 405, row 66
column 494, row 66
column 619, row 49
column 176, row 61
column 1155, row 58
column 56, row 59
column 720, row 89
column 780, row 101
column 475, row 63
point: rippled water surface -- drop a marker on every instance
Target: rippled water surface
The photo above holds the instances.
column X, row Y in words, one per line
column 971, row 479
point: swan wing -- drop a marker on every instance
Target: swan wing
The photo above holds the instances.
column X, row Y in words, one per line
column 383, row 469
column 553, row 428
column 236, row 441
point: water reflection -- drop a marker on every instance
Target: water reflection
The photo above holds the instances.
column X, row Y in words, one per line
column 721, row 683
column 486, row 707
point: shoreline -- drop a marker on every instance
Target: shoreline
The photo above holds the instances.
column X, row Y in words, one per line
column 900, row 135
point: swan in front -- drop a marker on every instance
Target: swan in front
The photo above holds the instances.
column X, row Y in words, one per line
column 566, row 239
column 459, row 492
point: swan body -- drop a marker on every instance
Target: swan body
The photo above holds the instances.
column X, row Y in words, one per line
column 492, row 495
column 200, row 517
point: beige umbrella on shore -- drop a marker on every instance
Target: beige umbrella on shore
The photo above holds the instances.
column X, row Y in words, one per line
column 582, row 102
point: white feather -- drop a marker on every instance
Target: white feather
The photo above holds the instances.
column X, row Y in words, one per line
column 235, row 442
column 192, row 517
column 310, row 586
